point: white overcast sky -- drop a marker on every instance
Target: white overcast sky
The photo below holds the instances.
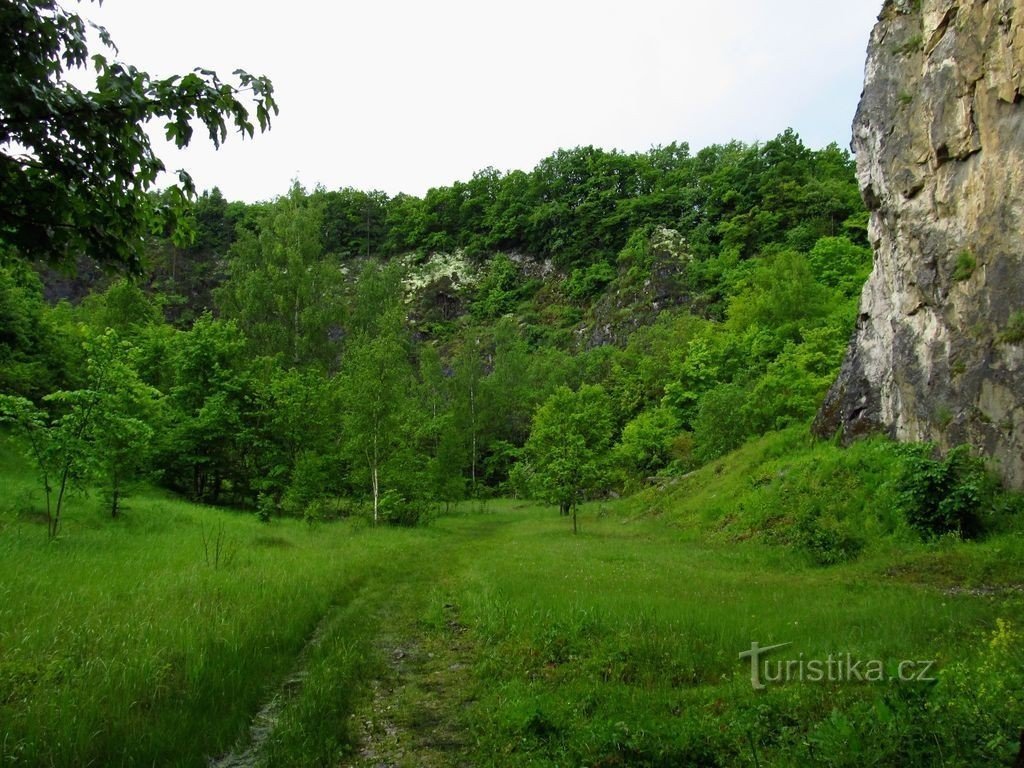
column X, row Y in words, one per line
column 404, row 95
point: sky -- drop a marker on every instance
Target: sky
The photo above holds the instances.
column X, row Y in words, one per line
column 404, row 95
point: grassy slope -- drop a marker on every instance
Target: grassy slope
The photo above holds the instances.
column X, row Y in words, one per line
column 121, row 645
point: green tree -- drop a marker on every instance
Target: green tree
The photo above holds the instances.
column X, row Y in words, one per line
column 123, row 306
column 204, row 449
column 76, row 166
column 98, row 431
column 56, row 446
column 283, row 292
column 783, row 295
column 375, row 384
column 569, row 444
column 123, row 409
column 439, row 438
column 294, row 425
column 646, row 443
column 839, row 263
column 468, row 404
column 30, row 362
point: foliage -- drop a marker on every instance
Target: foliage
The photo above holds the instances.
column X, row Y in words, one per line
column 78, row 164
column 965, row 266
column 646, row 443
column 499, row 290
column 204, row 450
column 282, row 291
column 720, row 424
column 99, row 432
column 1014, row 332
column 316, row 353
column 569, row 444
column 374, row 385
column 124, row 411
column 840, row 263
column 585, row 283
column 827, row 540
column 944, row 495
column 30, row 363
column 781, row 294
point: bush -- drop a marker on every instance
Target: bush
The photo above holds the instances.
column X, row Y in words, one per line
column 721, row 424
column 397, row 510
column 827, row 540
column 1014, row 331
column 585, row 283
column 311, row 481
column 939, row 496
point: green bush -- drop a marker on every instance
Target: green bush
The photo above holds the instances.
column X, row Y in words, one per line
column 939, row 496
column 312, row 481
column 827, row 540
column 395, row 509
column 965, row 266
column 585, row 283
column 1014, row 332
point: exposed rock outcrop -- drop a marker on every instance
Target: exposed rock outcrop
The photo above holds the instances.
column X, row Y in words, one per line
column 938, row 353
column 646, row 285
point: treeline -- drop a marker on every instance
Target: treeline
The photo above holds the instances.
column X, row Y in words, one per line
column 289, row 360
column 578, row 208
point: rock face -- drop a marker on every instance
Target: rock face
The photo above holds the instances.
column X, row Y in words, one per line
column 938, row 354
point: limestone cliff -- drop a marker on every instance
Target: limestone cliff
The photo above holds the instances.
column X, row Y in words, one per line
column 938, row 353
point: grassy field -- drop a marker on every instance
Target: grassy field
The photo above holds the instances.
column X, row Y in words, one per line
column 496, row 637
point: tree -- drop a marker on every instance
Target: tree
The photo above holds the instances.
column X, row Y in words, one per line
column 55, row 445
column 96, row 431
column 122, row 411
column 376, row 379
column 646, row 444
column 439, row 438
column 467, row 405
column 205, row 446
column 568, row 446
column 76, row 166
column 28, row 363
column 282, row 291
column 296, row 435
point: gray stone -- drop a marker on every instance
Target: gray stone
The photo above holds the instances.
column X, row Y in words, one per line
column 939, row 138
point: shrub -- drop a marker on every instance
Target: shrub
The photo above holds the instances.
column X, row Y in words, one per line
column 965, row 266
column 311, row 481
column 587, row 282
column 1014, row 332
column 939, row 496
column 395, row 509
column 827, row 540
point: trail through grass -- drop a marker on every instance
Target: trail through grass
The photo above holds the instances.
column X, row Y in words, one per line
column 486, row 639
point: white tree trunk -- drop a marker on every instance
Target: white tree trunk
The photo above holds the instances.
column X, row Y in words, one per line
column 376, row 495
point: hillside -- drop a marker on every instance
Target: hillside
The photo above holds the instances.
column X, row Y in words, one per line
column 494, row 637
column 679, row 284
column 658, row 458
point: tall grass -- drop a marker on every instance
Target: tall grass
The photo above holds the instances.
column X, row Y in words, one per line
column 125, row 643
column 129, row 643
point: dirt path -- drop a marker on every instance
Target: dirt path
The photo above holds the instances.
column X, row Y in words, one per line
column 266, row 719
column 412, row 719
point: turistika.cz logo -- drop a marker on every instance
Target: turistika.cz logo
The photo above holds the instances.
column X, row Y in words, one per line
column 836, row 668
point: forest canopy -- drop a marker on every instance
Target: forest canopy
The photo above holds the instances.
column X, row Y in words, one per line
column 334, row 348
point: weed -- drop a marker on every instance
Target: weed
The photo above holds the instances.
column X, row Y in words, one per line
column 965, row 266
column 1014, row 331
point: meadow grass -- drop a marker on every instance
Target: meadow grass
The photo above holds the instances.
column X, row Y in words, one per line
column 620, row 645
column 123, row 643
